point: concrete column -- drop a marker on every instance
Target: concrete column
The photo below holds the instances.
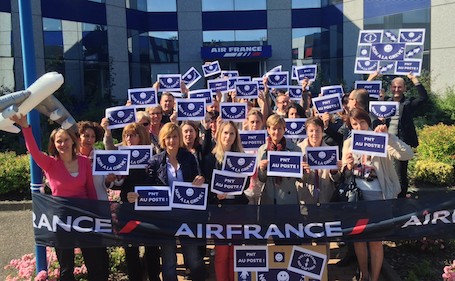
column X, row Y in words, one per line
column 6, row 61
column 74, row 61
column 279, row 33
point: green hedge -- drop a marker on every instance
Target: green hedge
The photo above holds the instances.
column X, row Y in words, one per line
column 14, row 174
column 434, row 172
column 437, row 143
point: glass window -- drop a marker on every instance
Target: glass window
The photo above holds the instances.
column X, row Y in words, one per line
column 218, row 36
column 5, row 35
column 229, row 37
column 233, row 5
column 302, row 4
column 53, row 38
column 158, row 47
column 161, row 6
column 52, row 24
column 242, row 5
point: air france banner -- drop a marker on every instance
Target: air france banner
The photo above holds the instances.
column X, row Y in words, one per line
column 169, row 82
column 394, row 51
column 228, row 182
column 233, row 111
column 107, row 162
column 211, row 68
column 142, row 97
column 247, row 90
column 330, row 90
column 238, row 162
column 284, row 164
column 295, row 93
column 139, row 155
column 373, row 87
column 278, row 79
column 252, row 140
column 307, row 262
column 191, row 77
column 322, row 157
column 384, row 109
column 250, row 258
column 306, row 71
column 187, row 196
column 120, row 116
column 330, row 104
column 215, row 85
column 230, row 73
column 295, row 128
column 190, row 109
column 369, row 143
column 152, row 198
column 201, row 94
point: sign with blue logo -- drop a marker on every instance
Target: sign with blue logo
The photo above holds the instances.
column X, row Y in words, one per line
column 330, row 90
column 252, row 140
column 187, row 196
column 152, row 198
column 373, row 87
column 244, row 276
column 216, row 85
column 191, row 77
column 243, row 78
column 190, row 109
column 384, row 109
column 295, row 93
column 295, row 128
column 275, row 274
column 247, row 90
column 258, row 51
column 120, row 116
column 211, row 68
column 322, row 157
column 307, row 262
column 139, row 155
column 229, row 73
column 224, row 182
column 233, row 111
column 260, row 82
column 369, row 143
column 201, row 94
column 273, row 70
column 284, row 164
column 394, row 51
column 231, row 83
column 107, row 162
column 250, row 258
column 142, row 97
column 238, row 162
column 278, row 79
column 169, row 82
column 330, row 104
column 306, row 71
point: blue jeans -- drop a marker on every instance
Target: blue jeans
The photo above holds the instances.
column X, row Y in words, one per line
column 193, row 260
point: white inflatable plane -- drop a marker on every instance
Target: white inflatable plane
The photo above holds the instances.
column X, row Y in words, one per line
column 38, row 96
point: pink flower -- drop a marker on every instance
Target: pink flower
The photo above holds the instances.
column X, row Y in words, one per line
column 42, row 276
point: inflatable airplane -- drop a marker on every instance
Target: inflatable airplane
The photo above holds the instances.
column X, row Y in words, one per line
column 38, row 96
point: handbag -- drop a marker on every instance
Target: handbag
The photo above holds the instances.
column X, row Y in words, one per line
column 350, row 192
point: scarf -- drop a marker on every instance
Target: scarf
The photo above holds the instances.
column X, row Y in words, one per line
column 281, row 146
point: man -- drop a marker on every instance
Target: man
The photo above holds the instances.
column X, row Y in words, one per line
column 282, row 104
column 167, row 102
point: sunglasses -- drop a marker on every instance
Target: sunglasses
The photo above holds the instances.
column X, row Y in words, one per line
column 145, row 124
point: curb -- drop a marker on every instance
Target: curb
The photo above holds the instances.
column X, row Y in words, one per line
column 388, row 272
column 15, row 205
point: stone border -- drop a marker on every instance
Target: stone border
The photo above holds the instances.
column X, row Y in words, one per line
column 15, row 205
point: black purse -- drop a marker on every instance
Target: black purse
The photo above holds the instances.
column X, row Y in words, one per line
column 349, row 192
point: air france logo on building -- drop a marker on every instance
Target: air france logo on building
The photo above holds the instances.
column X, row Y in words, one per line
column 233, row 111
column 330, row 103
column 111, row 162
column 323, row 157
column 384, row 109
column 191, row 77
column 139, row 155
column 307, row 262
column 412, row 36
column 295, row 128
column 247, row 90
column 187, row 196
column 193, row 109
column 387, row 51
column 239, row 163
column 252, row 140
column 169, row 82
column 202, row 94
column 212, row 68
column 142, row 97
column 152, row 198
column 276, row 79
column 120, row 116
column 370, row 36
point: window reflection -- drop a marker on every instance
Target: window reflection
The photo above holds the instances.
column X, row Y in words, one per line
column 233, row 5
column 53, row 38
column 238, row 37
column 302, row 4
column 6, row 52
column 152, row 5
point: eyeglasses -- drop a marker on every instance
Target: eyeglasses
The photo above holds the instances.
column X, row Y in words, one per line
column 145, row 124
column 130, row 135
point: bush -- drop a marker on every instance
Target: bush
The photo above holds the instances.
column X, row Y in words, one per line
column 436, row 143
column 14, row 174
column 434, row 172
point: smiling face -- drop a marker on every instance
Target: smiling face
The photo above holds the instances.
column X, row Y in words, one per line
column 398, row 87
column 314, row 133
column 189, row 135
column 63, row 143
column 276, row 133
column 156, row 114
column 172, row 141
column 131, row 138
column 292, row 113
column 167, row 103
column 227, row 137
column 87, row 139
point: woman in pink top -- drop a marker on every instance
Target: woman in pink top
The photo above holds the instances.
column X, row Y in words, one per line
column 69, row 175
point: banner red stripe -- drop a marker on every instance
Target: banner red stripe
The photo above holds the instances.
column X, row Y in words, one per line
column 359, row 226
column 130, row 226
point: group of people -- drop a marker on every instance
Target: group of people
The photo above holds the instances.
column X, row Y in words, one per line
column 190, row 151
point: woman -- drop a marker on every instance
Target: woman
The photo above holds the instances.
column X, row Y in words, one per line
column 156, row 122
column 227, row 139
column 175, row 163
column 377, row 179
column 277, row 190
column 317, row 186
column 69, row 175
column 192, row 142
column 143, row 118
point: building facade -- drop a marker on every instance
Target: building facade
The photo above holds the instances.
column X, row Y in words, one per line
column 113, row 45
